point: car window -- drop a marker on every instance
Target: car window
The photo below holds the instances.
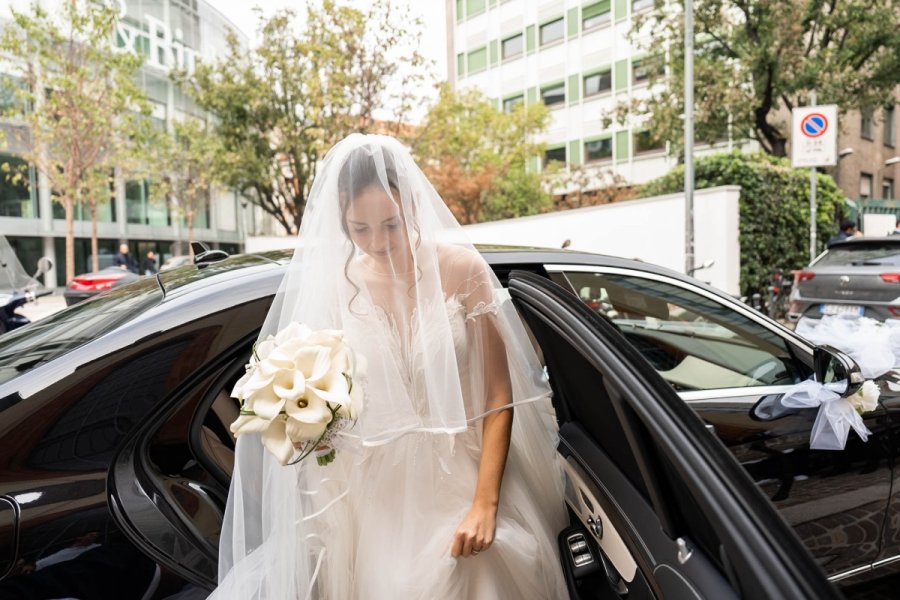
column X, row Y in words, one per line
column 693, row 341
column 55, row 335
column 859, row 255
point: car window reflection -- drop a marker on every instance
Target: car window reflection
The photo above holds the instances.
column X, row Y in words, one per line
column 694, row 342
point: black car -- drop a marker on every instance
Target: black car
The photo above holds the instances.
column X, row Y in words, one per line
column 117, row 456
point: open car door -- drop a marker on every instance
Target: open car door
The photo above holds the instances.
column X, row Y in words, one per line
column 659, row 508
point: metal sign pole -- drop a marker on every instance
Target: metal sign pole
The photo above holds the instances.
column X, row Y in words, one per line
column 688, row 136
column 812, row 198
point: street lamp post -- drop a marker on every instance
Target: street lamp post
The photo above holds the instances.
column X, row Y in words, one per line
column 688, row 136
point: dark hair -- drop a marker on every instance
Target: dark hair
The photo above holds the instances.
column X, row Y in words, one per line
column 847, row 224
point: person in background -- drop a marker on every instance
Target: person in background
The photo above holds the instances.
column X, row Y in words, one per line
column 149, row 266
column 848, row 230
column 124, row 260
column 896, row 230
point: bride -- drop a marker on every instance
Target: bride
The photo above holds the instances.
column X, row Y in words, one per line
column 446, row 487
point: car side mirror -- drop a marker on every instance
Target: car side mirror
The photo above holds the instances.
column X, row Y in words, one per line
column 44, row 264
column 836, row 370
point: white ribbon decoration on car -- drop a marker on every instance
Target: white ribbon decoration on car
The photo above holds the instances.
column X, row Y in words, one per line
column 875, row 346
column 836, row 416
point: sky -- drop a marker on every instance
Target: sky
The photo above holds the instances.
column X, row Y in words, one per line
column 434, row 38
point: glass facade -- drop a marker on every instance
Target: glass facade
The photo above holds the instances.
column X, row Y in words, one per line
column 169, row 34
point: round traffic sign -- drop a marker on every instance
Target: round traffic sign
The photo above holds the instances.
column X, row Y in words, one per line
column 813, row 125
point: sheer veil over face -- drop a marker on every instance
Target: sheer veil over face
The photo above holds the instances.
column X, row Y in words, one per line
column 380, row 257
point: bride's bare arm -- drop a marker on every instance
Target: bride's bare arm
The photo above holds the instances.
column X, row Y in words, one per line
column 476, row 531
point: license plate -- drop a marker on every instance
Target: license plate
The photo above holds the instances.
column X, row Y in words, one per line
column 840, row 309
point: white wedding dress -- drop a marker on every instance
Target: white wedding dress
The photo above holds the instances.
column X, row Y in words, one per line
column 444, row 348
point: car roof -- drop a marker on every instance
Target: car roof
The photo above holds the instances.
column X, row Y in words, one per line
column 866, row 240
column 189, row 278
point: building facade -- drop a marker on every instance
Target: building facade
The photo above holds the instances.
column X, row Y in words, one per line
column 170, row 34
column 576, row 57
column 868, row 154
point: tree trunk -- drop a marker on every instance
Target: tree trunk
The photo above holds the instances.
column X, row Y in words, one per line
column 190, row 224
column 95, row 258
column 69, row 205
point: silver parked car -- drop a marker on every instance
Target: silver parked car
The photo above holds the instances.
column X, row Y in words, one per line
column 859, row 276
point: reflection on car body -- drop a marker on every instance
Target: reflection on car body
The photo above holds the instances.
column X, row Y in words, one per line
column 129, row 394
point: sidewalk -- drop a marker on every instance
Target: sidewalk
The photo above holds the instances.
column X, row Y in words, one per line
column 43, row 306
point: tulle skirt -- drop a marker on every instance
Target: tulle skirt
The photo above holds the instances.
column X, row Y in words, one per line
column 384, row 519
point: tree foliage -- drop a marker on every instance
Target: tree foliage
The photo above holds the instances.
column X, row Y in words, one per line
column 774, row 209
column 281, row 105
column 79, row 111
column 183, row 167
column 475, row 156
column 756, row 60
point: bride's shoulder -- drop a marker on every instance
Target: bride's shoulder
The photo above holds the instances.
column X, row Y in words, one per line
column 459, row 260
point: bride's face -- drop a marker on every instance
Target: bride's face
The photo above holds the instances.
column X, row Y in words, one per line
column 377, row 227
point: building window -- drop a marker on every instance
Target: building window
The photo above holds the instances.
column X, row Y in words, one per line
column 865, row 123
column 513, row 46
column 511, row 103
column 17, row 182
column 865, row 185
column 889, row 126
column 552, row 31
column 639, row 5
column 555, row 94
column 595, row 15
column 644, row 69
column 644, row 142
column 597, row 83
column 477, row 60
column 598, row 150
column 887, row 189
column 555, row 155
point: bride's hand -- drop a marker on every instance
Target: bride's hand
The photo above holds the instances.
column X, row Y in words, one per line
column 476, row 531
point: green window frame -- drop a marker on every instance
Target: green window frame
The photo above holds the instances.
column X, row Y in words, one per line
column 460, row 12
column 620, row 75
column 532, row 95
column 575, row 152
column 574, row 91
column 529, row 38
column 620, row 8
column 476, row 60
column 461, row 64
column 495, row 52
column 474, row 7
column 596, row 15
column 622, row 149
column 572, row 22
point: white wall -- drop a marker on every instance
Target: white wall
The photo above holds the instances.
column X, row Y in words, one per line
column 651, row 229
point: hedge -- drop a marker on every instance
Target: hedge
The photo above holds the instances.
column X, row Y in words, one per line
column 774, row 209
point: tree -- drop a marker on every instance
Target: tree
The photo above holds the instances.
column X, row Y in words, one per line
column 580, row 186
column 80, row 111
column 475, row 156
column 774, row 209
column 756, row 60
column 280, row 106
column 183, row 168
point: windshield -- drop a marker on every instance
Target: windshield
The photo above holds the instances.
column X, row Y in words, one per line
column 59, row 333
column 861, row 255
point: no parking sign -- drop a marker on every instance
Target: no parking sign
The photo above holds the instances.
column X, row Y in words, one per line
column 814, row 136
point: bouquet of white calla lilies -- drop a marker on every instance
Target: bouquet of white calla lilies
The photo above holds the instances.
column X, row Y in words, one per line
column 301, row 388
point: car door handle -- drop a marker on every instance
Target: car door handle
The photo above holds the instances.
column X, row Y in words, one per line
column 710, row 428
